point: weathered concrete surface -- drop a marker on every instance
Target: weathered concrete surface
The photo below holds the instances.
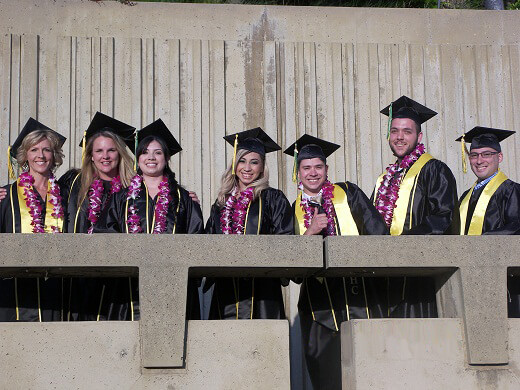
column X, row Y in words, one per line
column 419, row 354
column 163, row 261
column 477, row 288
column 105, row 355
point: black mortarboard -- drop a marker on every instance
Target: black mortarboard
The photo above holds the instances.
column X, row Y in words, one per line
column 254, row 140
column 159, row 129
column 481, row 137
column 404, row 107
column 30, row 126
column 102, row 122
column 308, row 146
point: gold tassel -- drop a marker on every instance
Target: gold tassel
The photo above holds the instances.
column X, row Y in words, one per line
column 135, row 149
column 463, row 148
column 294, row 175
column 10, row 167
column 83, row 146
column 389, row 121
column 234, row 155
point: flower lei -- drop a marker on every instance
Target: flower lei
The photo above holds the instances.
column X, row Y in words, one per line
column 233, row 215
column 34, row 205
column 161, row 208
column 327, row 194
column 388, row 191
column 95, row 194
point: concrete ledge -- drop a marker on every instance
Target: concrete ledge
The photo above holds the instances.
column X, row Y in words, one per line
column 418, row 354
column 105, row 355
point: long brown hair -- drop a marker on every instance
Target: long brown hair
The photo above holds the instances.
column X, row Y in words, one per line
column 230, row 181
column 89, row 171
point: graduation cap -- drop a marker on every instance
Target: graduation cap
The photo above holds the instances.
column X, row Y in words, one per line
column 254, row 140
column 30, row 126
column 482, row 137
column 159, row 129
column 308, row 146
column 404, row 107
column 102, row 122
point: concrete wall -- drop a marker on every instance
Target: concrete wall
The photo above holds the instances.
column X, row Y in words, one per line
column 208, row 70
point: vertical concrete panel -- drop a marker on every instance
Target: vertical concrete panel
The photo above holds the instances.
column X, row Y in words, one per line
column 216, row 159
column 107, row 76
column 190, row 110
column 270, row 110
column 167, row 89
column 452, row 109
column 433, row 97
column 311, row 90
column 5, row 81
column 389, row 88
column 350, row 151
column 508, row 148
column 482, row 77
column 29, row 62
column 47, row 93
column 95, row 93
column 205, row 185
column 514, row 56
column 64, row 97
column 336, row 129
column 148, row 81
column 14, row 110
column 127, row 85
column 82, row 93
column 235, row 87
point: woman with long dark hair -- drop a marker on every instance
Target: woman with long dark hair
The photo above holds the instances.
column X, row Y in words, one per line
column 247, row 205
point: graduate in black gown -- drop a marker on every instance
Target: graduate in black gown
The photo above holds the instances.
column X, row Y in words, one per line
column 33, row 204
column 247, row 205
column 324, row 208
column 492, row 204
column 106, row 169
column 155, row 203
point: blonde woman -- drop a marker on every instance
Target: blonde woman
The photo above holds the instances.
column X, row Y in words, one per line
column 33, row 204
column 247, row 205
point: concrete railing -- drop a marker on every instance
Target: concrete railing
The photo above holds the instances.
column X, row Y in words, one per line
column 470, row 274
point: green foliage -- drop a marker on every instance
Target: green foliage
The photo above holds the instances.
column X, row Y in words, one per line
column 514, row 5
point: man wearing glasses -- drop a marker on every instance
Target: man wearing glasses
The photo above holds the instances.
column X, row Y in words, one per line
column 492, row 205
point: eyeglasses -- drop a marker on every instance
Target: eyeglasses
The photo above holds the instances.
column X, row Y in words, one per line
column 484, row 155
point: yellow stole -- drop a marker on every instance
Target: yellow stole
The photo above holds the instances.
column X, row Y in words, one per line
column 25, row 217
column 344, row 218
column 477, row 219
column 408, row 184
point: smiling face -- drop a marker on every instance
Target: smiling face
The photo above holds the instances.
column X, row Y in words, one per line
column 152, row 160
column 40, row 158
column 403, row 137
column 312, row 173
column 484, row 167
column 249, row 168
column 105, row 157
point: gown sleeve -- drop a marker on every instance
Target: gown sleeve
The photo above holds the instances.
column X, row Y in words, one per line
column 5, row 214
column 441, row 211
column 65, row 183
column 280, row 212
column 510, row 204
column 214, row 218
column 368, row 219
column 194, row 222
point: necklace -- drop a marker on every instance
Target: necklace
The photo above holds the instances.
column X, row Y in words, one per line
column 34, row 205
column 327, row 191
column 161, row 208
column 233, row 215
column 388, row 192
column 95, row 195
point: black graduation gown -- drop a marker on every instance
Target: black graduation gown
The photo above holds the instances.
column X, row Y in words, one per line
column 93, row 299
column 184, row 215
column 319, row 324
column 502, row 217
column 276, row 218
column 35, row 299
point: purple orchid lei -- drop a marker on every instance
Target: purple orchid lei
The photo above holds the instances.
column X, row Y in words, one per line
column 34, row 205
column 327, row 194
column 161, row 208
column 388, row 191
column 95, row 194
column 233, row 215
